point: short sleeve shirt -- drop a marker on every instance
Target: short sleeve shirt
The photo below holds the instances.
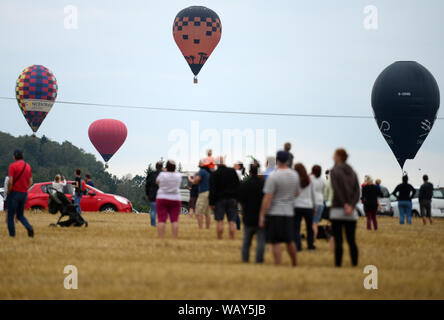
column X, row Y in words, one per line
column 204, row 183
column 283, row 184
column 20, row 182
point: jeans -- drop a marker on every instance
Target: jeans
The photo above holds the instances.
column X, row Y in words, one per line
column 153, row 213
column 307, row 214
column 16, row 207
column 77, row 199
column 249, row 232
column 405, row 211
column 371, row 216
column 350, row 229
column 238, row 222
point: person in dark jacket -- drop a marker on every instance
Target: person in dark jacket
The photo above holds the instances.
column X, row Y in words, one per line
column 425, row 200
column 404, row 193
column 89, row 181
column 343, row 214
column 151, row 191
column 224, row 184
column 370, row 194
column 250, row 198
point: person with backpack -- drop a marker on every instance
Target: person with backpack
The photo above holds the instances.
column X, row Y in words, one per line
column 151, row 188
column 20, row 179
column 79, row 189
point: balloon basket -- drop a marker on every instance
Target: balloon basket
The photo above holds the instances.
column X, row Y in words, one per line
column 195, row 80
column 106, row 166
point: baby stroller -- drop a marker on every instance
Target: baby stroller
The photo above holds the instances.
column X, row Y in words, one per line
column 58, row 202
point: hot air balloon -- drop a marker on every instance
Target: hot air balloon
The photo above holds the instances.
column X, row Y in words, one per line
column 405, row 101
column 197, row 31
column 36, row 91
column 107, row 136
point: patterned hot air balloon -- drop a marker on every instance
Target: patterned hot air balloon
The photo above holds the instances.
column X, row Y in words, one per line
column 405, row 100
column 197, row 31
column 36, row 91
column 107, row 136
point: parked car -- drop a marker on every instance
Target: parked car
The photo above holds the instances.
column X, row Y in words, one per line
column 385, row 202
column 2, row 199
column 94, row 200
column 185, row 194
column 437, row 204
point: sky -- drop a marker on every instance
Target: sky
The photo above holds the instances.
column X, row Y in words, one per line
column 284, row 56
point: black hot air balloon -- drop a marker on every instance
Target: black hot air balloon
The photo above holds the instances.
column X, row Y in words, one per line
column 405, row 101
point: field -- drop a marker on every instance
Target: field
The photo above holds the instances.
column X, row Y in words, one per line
column 120, row 257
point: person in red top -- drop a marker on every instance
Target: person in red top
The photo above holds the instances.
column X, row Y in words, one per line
column 20, row 179
column 209, row 161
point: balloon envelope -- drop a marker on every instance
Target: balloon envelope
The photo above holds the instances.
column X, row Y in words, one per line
column 36, row 91
column 107, row 136
column 405, row 101
column 197, row 31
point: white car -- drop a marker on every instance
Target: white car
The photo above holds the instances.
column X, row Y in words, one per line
column 2, row 199
column 437, row 204
column 185, row 194
column 386, row 204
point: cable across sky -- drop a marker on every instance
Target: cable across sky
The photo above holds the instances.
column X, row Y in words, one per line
column 177, row 109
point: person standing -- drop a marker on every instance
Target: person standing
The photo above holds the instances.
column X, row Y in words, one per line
column 89, row 181
column 209, row 161
column 404, row 193
column 319, row 186
column 240, row 170
column 224, row 184
column 20, row 179
column 378, row 183
column 370, row 194
column 277, row 216
column 425, row 200
column 287, row 148
column 194, row 193
column 343, row 213
column 168, row 200
column 250, row 198
column 202, row 181
column 58, row 184
column 271, row 166
column 79, row 187
column 151, row 188
column 304, row 208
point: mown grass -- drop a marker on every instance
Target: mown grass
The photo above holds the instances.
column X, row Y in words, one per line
column 120, row 257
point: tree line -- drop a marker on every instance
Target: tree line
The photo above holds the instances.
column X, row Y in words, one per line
column 48, row 158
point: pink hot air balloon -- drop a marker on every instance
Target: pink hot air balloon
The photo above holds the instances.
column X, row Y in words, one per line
column 107, row 136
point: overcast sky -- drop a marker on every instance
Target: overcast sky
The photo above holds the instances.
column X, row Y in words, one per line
column 274, row 56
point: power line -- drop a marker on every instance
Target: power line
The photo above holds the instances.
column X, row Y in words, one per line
column 175, row 109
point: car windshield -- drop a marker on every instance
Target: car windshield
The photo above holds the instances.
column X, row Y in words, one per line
column 184, row 183
column 438, row 194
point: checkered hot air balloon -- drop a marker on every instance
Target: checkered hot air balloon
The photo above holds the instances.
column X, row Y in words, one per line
column 197, row 31
column 36, row 91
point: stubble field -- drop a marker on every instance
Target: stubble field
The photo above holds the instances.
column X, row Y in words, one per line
column 120, row 257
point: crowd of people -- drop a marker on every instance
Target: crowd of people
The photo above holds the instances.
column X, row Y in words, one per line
column 17, row 184
column 272, row 204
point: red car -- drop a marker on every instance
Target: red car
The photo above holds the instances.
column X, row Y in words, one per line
column 94, row 200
